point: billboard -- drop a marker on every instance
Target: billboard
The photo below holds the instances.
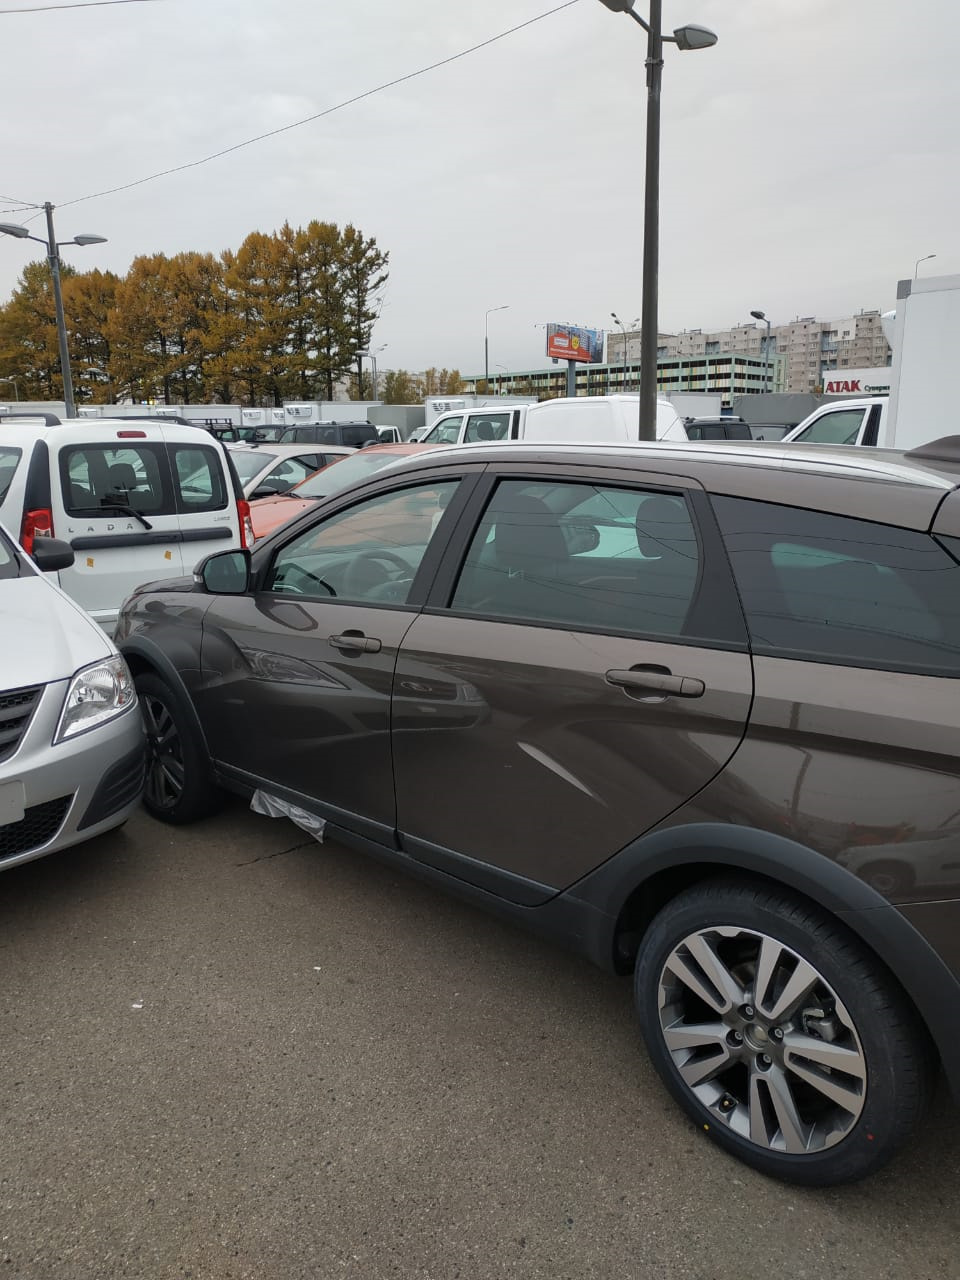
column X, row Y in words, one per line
column 567, row 342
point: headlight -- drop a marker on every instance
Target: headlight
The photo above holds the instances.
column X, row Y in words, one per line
column 96, row 695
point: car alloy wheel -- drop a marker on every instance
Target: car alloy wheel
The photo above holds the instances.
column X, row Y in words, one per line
column 762, row 1040
column 780, row 1033
column 163, row 786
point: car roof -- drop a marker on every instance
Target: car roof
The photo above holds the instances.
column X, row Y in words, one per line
column 882, row 485
column 278, row 450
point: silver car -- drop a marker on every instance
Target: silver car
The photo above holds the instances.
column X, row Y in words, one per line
column 71, row 737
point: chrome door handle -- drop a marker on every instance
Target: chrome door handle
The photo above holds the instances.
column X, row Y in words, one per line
column 356, row 642
column 657, row 680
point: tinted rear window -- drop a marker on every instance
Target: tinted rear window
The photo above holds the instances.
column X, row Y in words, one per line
column 834, row 589
column 356, row 434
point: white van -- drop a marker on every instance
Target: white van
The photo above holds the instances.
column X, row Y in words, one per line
column 136, row 501
column 610, row 419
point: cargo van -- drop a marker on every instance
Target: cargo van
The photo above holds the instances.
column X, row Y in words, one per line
column 575, row 419
column 135, row 501
column 607, row 419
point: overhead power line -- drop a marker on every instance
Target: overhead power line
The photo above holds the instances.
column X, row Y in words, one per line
column 349, row 102
column 80, row 4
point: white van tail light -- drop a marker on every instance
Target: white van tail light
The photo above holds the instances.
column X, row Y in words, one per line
column 36, row 524
column 247, row 536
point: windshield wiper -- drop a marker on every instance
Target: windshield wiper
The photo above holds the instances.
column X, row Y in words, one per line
column 105, row 505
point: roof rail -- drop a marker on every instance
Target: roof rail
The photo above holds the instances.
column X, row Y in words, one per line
column 946, row 449
column 49, row 419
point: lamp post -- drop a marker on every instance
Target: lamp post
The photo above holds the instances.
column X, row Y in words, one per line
column 486, row 345
column 624, row 332
column 688, row 37
column 925, row 258
column 758, row 315
column 372, row 357
column 53, row 257
column 16, row 389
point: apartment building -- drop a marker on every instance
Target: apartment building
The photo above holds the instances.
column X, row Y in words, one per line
column 806, row 347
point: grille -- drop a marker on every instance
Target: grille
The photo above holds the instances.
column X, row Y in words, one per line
column 39, row 824
column 16, row 708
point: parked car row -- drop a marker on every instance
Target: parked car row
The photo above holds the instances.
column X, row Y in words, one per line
column 688, row 708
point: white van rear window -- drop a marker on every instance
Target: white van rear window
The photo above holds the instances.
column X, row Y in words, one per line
column 151, row 478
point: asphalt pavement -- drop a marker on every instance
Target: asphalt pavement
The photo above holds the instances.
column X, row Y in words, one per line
column 229, row 1051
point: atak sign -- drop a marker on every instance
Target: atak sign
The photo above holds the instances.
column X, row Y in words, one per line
column 857, row 382
column 566, row 342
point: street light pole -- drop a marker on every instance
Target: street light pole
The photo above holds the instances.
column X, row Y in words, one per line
column 925, row 258
column 623, row 330
column 53, row 257
column 687, row 37
column 486, row 345
column 53, row 247
column 759, row 315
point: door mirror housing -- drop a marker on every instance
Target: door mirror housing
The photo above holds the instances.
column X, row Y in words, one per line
column 52, row 554
column 225, row 574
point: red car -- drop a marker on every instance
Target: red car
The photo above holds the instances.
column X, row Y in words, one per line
column 270, row 513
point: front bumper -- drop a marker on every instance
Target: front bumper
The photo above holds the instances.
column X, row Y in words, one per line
column 72, row 791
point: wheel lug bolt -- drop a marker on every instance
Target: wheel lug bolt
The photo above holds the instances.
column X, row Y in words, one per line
column 777, row 1033
column 764, row 1060
column 736, row 1037
column 747, row 1010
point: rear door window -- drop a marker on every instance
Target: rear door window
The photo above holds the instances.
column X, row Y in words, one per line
column 98, row 479
column 356, row 435
column 585, row 557
column 199, row 479
column 833, row 589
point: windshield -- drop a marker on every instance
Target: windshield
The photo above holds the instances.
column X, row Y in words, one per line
column 338, row 475
column 250, row 464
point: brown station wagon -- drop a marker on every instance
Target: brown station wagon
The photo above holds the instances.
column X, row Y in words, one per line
column 693, row 710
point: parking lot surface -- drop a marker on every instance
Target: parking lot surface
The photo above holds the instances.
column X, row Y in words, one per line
column 229, row 1052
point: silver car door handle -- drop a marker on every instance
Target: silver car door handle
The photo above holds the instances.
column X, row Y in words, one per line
column 658, row 681
column 356, row 642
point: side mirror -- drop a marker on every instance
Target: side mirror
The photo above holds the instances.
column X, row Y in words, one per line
column 52, row 554
column 225, row 574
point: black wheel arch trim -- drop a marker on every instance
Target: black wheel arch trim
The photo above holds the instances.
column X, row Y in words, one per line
column 150, row 654
column 933, row 988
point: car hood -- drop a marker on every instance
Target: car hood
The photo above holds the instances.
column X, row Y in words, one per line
column 268, row 514
column 44, row 636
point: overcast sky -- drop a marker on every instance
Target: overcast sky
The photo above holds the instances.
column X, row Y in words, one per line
column 808, row 159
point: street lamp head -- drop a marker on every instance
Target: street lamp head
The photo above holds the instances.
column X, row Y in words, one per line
column 14, row 229
column 693, row 37
column 758, row 315
column 88, row 239
column 619, row 6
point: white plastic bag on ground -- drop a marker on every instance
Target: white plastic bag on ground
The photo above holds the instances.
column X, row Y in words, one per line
column 274, row 807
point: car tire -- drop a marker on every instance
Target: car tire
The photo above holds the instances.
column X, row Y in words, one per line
column 179, row 784
column 780, row 1034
